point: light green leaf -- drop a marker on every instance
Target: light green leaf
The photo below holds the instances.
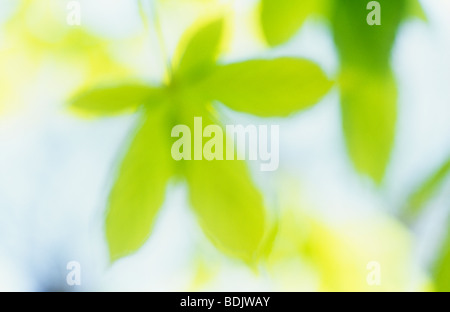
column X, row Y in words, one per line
column 228, row 206
column 424, row 193
column 369, row 114
column 199, row 49
column 281, row 19
column 114, row 100
column 276, row 87
column 441, row 269
column 139, row 190
column 269, row 240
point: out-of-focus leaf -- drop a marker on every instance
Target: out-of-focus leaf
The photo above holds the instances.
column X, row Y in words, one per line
column 269, row 240
column 441, row 269
column 368, row 91
column 276, row 87
column 37, row 35
column 281, row 19
column 369, row 115
column 139, row 190
column 423, row 194
column 363, row 50
column 228, row 205
column 104, row 101
column 199, row 49
column 361, row 45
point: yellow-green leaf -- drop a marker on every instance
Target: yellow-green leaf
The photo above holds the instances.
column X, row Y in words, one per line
column 369, row 114
column 281, row 19
column 114, row 100
column 275, row 87
column 139, row 189
column 441, row 269
column 423, row 194
column 228, row 206
column 199, row 49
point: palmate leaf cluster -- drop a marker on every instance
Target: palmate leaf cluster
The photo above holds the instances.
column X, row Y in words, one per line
column 228, row 206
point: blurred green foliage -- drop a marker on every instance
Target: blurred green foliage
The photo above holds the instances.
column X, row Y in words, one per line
column 416, row 204
column 281, row 19
column 305, row 251
column 441, row 268
column 267, row 88
column 38, row 30
column 419, row 198
column 115, row 100
column 367, row 85
column 227, row 204
column 368, row 93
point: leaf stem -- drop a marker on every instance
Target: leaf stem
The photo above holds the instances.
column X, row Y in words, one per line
column 143, row 9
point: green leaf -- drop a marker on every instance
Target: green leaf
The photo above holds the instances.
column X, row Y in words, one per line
column 441, row 269
column 424, row 193
column 228, row 206
column 276, row 87
column 139, row 190
column 199, row 49
column 281, row 19
column 362, row 45
column 114, row 100
column 369, row 115
column 368, row 90
column 415, row 10
column 269, row 240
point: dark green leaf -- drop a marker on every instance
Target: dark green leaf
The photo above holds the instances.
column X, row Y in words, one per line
column 368, row 90
column 369, row 114
column 361, row 45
